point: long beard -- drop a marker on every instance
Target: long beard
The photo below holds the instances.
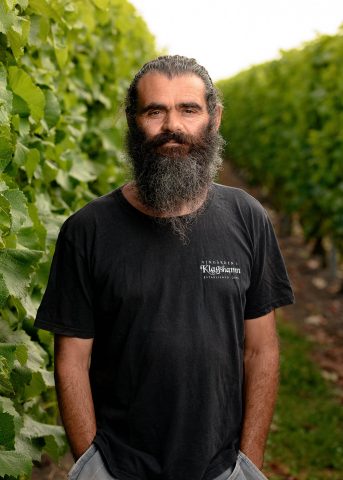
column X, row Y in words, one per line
column 166, row 178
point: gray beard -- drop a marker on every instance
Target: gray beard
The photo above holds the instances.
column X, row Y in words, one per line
column 168, row 178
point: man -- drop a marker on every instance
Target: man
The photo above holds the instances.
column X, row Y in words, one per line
column 161, row 296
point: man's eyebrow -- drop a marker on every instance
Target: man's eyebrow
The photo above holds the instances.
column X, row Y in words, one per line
column 194, row 105
column 161, row 106
column 152, row 106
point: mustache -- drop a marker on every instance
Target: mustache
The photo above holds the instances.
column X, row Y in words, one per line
column 162, row 138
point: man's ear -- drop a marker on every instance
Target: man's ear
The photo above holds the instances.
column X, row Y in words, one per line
column 218, row 116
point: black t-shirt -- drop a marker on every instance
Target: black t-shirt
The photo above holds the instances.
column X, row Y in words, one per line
column 168, row 326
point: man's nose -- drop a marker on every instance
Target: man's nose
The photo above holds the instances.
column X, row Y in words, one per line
column 172, row 122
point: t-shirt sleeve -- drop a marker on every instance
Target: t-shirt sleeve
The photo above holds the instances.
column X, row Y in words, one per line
column 67, row 304
column 269, row 283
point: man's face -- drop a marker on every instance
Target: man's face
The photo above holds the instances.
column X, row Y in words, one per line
column 173, row 145
column 171, row 105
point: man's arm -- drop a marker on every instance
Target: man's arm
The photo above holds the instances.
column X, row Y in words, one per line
column 261, row 374
column 72, row 360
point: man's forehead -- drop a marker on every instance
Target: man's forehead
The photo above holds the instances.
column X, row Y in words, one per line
column 156, row 86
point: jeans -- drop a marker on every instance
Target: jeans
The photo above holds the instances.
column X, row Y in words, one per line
column 90, row 466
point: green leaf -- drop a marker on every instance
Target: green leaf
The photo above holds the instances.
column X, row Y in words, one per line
column 22, row 3
column 52, row 108
column 102, row 4
column 54, row 448
column 24, row 126
column 18, row 208
column 27, row 237
column 13, row 377
column 50, row 171
column 15, row 27
column 10, row 4
column 6, row 405
column 40, row 229
column 20, row 154
column 82, row 169
column 41, row 381
column 60, row 46
column 34, row 429
column 36, row 386
column 5, row 214
column 22, row 85
column 4, row 293
column 8, row 352
column 7, row 18
column 7, row 431
column 29, row 353
column 6, row 146
column 16, row 267
column 32, row 161
column 6, row 387
column 5, row 97
column 45, row 337
column 17, row 36
column 19, row 106
column 3, row 76
column 28, row 306
column 14, row 464
column 44, row 8
column 20, row 378
column 37, row 358
column 3, row 184
column 27, row 447
column 21, row 354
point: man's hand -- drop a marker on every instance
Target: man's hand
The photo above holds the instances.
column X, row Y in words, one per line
column 261, row 373
column 72, row 360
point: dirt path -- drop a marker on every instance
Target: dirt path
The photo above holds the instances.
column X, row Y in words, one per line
column 48, row 470
column 318, row 313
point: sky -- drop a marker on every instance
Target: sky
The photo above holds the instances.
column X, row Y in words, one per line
column 227, row 36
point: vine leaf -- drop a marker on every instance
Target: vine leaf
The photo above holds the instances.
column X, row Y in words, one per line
column 16, row 267
column 22, row 85
column 14, row 463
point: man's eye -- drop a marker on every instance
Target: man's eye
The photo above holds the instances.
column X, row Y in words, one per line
column 154, row 113
column 189, row 111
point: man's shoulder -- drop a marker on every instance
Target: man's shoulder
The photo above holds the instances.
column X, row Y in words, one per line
column 235, row 197
column 90, row 216
column 95, row 206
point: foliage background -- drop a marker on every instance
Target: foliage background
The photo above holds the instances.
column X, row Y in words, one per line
column 64, row 68
column 284, row 125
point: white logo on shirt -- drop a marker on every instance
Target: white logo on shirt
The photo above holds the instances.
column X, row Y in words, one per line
column 220, row 269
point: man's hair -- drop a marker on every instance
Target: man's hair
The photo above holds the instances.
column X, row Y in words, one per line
column 172, row 66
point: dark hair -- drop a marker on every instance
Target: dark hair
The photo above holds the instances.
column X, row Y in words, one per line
column 171, row 66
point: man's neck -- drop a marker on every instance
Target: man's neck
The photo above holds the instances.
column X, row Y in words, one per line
column 130, row 193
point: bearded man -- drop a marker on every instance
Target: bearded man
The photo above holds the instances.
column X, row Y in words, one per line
column 161, row 296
